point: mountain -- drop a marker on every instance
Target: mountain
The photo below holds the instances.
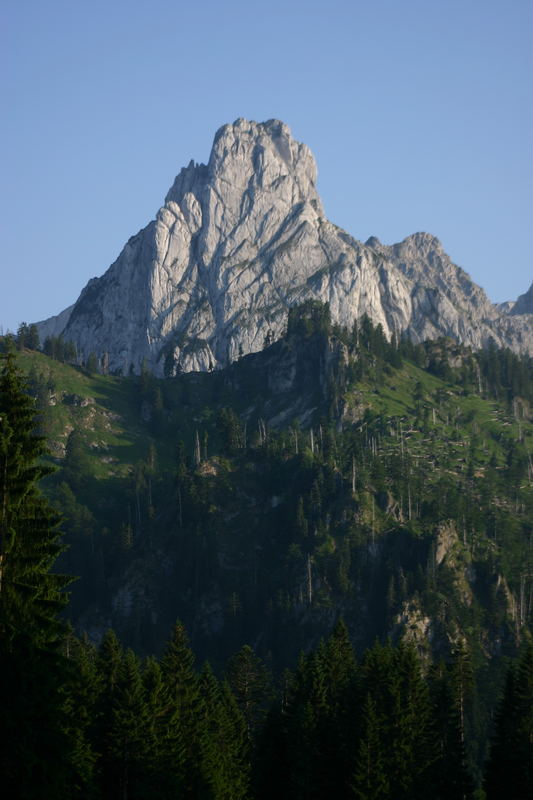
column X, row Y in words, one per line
column 331, row 473
column 524, row 304
column 244, row 238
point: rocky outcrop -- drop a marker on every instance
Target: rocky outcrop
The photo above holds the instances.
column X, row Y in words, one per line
column 524, row 304
column 445, row 301
column 241, row 240
column 54, row 326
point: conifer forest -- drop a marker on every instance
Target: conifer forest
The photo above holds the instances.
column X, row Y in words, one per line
column 306, row 575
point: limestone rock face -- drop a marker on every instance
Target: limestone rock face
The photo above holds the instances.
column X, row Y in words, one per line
column 53, row 326
column 240, row 240
column 524, row 304
column 444, row 301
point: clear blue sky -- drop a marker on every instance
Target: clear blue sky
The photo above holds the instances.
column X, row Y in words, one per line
column 419, row 113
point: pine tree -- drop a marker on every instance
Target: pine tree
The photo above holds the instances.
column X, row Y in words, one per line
column 184, row 718
column 306, row 709
column 335, row 723
column 314, row 738
column 371, row 779
column 413, row 750
column 449, row 777
column 225, row 746
column 250, row 683
column 378, row 688
column 92, row 364
column 128, row 741
column 396, row 726
column 32, row 755
column 160, row 783
column 462, row 687
column 82, row 691
column 108, row 663
column 31, row 595
column 509, row 771
column 32, row 340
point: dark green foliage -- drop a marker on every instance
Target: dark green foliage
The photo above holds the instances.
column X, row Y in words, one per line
column 271, row 520
column 368, row 731
column 185, row 715
column 250, row 682
column 91, row 365
column 309, row 318
column 76, row 465
column 230, row 431
column 32, row 759
column 462, row 686
column 82, row 691
column 509, row 771
column 315, row 731
column 31, row 596
column 56, row 347
column 339, row 722
column 449, row 773
column 27, row 336
column 128, row 746
column 371, row 778
column 328, row 473
column 109, row 662
column 226, row 747
column 157, row 700
column 397, row 733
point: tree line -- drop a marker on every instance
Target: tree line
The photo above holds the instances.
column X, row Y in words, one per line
column 491, row 371
column 80, row 721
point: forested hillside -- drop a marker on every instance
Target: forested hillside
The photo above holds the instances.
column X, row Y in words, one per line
column 333, row 475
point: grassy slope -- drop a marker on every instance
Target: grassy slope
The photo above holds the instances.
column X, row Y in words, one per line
column 454, row 421
column 117, row 435
column 110, row 422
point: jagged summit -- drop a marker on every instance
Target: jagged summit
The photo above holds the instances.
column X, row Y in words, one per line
column 524, row 304
column 243, row 238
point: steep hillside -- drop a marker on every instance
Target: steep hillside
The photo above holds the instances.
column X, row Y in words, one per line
column 331, row 473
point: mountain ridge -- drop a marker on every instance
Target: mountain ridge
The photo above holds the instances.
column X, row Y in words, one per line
column 242, row 239
column 327, row 439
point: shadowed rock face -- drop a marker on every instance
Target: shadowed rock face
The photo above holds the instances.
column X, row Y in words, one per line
column 241, row 240
column 524, row 304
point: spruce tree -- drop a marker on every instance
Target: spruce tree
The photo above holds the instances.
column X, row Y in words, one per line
column 462, row 684
column 109, row 661
column 225, row 745
column 396, row 746
column 306, row 708
column 250, row 683
column 128, row 740
column 157, row 703
column 371, row 778
column 449, row 776
column 338, row 724
column 82, row 692
column 509, row 772
column 413, row 749
column 32, row 756
column 184, row 718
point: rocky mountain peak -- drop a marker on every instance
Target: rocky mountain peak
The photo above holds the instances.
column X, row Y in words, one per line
column 524, row 304
column 243, row 238
column 252, row 157
column 421, row 243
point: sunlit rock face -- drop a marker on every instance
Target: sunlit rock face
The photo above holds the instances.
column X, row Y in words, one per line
column 524, row 304
column 240, row 240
